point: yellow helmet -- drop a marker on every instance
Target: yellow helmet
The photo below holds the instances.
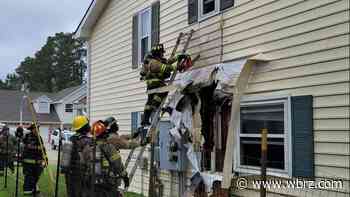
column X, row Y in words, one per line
column 79, row 122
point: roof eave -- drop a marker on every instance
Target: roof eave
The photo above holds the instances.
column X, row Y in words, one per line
column 90, row 18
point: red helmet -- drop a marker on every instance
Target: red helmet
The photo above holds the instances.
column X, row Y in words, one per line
column 98, row 128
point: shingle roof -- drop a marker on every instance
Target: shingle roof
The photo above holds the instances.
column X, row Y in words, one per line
column 10, row 102
column 63, row 93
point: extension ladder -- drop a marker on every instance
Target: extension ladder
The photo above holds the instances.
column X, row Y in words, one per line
column 156, row 117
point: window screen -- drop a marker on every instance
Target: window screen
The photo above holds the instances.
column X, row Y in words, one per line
column 208, row 6
column 145, row 33
column 253, row 119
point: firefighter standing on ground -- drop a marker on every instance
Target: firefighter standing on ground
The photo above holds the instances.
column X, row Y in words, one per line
column 119, row 141
column 33, row 161
column 7, row 149
column 73, row 164
column 156, row 69
column 109, row 166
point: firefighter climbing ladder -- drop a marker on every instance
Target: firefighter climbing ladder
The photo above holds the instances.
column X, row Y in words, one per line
column 155, row 122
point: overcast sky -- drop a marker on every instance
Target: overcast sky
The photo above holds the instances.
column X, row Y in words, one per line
column 25, row 25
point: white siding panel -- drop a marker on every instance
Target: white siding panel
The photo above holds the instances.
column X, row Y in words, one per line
column 292, row 72
column 276, row 39
column 306, row 59
column 331, row 124
column 331, row 172
column 301, row 12
column 313, row 80
column 331, row 112
column 332, row 136
column 287, row 48
column 332, row 148
column 332, row 101
column 332, row 160
column 287, row 27
column 319, row 90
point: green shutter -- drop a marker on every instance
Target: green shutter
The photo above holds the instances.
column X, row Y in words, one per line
column 135, row 41
column 302, row 136
column 225, row 4
column 155, row 23
column 192, row 11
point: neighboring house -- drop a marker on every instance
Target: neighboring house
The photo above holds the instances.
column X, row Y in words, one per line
column 306, row 42
column 54, row 110
column 10, row 105
column 68, row 103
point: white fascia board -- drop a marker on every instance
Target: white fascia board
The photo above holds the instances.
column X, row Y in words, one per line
column 90, row 18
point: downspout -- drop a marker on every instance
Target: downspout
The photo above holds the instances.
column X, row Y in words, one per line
column 88, row 98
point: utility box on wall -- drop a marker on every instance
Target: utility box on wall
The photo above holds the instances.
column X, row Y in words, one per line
column 172, row 156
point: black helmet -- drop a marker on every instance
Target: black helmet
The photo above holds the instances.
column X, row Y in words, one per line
column 158, row 50
column 111, row 124
column 32, row 126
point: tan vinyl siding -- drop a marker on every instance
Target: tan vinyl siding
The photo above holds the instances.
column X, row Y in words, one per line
column 115, row 88
column 307, row 41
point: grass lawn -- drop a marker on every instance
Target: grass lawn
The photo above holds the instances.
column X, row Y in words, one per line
column 47, row 189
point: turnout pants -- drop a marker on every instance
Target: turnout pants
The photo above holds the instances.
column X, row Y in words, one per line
column 2, row 162
column 32, row 174
column 106, row 190
column 78, row 186
column 152, row 104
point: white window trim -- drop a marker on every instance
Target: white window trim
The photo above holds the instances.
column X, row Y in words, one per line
column 287, row 172
column 139, row 37
column 202, row 16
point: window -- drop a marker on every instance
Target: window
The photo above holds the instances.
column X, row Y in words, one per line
column 136, row 118
column 208, row 7
column 43, row 107
column 202, row 9
column 144, row 33
column 272, row 115
column 69, row 108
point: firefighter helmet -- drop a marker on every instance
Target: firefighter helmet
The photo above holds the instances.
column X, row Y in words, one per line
column 158, row 50
column 98, row 128
column 80, row 122
column 33, row 125
column 111, row 124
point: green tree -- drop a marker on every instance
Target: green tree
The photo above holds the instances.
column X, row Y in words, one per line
column 11, row 82
column 2, row 84
column 56, row 66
